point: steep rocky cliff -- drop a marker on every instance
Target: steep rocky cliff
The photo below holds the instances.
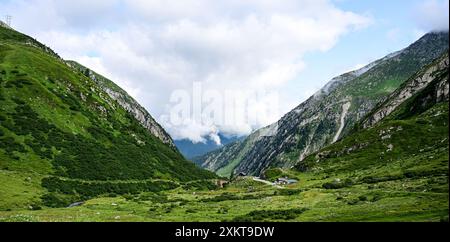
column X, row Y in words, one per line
column 405, row 135
column 436, row 73
column 329, row 114
column 126, row 102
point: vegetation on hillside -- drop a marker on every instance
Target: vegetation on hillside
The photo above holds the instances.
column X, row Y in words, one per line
column 57, row 123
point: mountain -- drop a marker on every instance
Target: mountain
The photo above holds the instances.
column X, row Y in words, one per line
column 430, row 85
column 192, row 150
column 126, row 102
column 67, row 133
column 405, row 138
column 328, row 115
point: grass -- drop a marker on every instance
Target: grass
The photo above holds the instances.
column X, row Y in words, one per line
column 392, row 203
column 19, row 190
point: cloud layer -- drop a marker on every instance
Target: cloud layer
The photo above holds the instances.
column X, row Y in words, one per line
column 152, row 48
column 432, row 15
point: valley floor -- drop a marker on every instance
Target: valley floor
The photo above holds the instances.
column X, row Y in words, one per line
column 249, row 200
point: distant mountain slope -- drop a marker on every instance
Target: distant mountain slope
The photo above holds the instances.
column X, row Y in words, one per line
column 328, row 115
column 191, row 150
column 225, row 159
column 73, row 135
column 411, row 142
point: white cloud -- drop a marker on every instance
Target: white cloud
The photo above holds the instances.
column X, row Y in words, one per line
column 154, row 47
column 432, row 15
column 353, row 68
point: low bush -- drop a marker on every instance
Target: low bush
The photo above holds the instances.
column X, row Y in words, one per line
column 201, row 185
column 376, row 197
column 10, row 145
column 288, row 192
column 374, row 179
column 91, row 189
column 55, row 200
column 338, row 184
column 362, row 198
column 353, row 201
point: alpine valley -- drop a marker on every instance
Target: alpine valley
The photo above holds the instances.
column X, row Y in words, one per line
column 372, row 145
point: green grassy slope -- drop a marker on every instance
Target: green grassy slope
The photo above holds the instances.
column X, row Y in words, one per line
column 59, row 128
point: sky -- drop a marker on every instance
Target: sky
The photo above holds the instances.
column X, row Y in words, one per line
column 204, row 67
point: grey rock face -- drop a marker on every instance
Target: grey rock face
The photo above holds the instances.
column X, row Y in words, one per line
column 410, row 88
column 139, row 113
column 127, row 102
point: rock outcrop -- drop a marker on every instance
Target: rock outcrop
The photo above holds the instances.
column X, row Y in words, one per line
column 126, row 102
column 436, row 70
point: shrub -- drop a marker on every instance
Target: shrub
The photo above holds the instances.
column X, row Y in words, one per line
column 264, row 215
column 128, row 197
column 353, row 201
column 154, row 197
column 338, row 184
column 10, row 145
column 362, row 198
column 35, row 207
column 55, row 200
column 201, row 185
column 373, row 179
column 288, row 192
column 91, row 189
column 376, row 197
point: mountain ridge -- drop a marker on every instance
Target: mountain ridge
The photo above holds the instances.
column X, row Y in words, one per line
column 193, row 150
column 314, row 123
column 426, row 92
column 126, row 101
column 408, row 89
